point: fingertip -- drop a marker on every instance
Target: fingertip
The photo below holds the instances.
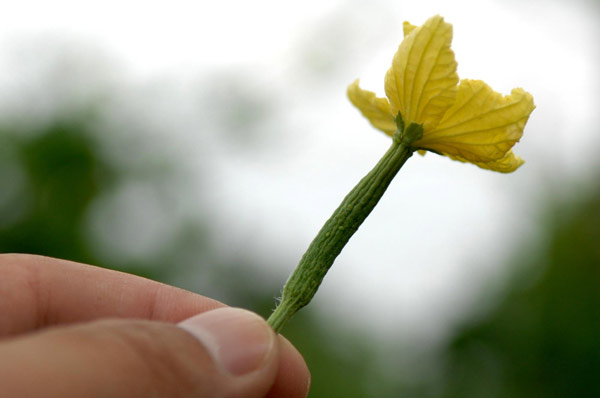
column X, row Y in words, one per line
column 239, row 341
column 243, row 347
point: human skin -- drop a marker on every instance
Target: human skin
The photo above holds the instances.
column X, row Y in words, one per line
column 69, row 329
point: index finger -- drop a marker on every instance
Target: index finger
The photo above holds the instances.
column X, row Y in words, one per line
column 40, row 291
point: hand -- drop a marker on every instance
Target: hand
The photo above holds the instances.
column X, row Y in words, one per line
column 73, row 330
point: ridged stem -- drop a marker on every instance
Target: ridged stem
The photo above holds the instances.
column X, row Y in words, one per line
column 331, row 239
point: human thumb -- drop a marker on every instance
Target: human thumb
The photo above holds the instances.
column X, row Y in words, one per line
column 225, row 352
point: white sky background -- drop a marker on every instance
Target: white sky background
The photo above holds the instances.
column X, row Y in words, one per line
column 443, row 228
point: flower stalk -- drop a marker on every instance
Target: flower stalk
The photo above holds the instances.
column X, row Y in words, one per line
column 345, row 221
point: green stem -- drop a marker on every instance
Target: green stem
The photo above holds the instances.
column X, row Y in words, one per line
column 331, row 239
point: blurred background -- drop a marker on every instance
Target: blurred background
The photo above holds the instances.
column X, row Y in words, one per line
column 203, row 144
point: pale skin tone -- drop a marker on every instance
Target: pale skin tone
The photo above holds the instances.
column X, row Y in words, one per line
column 69, row 329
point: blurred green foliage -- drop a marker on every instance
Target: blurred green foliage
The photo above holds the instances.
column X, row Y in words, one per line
column 58, row 173
column 541, row 339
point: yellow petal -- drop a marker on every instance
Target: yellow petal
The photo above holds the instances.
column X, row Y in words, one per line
column 482, row 125
column 407, row 27
column 421, row 83
column 507, row 164
column 377, row 110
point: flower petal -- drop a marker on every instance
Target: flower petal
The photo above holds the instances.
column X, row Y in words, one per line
column 377, row 110
column 407, row 27
column 421, row 83
column 482, row 125
column 509, row 163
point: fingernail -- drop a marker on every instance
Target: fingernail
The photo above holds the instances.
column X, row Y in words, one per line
column 239, row 341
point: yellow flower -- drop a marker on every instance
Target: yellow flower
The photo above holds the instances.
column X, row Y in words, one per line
column 466, row 120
